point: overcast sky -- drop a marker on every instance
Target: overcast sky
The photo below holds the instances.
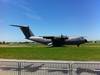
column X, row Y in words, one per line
column 50, row 17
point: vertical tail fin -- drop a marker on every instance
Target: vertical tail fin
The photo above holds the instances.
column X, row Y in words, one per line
column 26, row 31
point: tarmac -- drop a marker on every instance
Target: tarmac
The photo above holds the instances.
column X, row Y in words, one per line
column 40, row 67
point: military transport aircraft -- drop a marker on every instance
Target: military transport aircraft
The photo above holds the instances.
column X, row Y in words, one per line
column 53, row 41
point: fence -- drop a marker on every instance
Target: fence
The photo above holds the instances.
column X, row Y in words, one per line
column 24, row 67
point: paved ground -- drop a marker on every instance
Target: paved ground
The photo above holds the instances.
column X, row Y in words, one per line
column 36, row 68
column 11, row 68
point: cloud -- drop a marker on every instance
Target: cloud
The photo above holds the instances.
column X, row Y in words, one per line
column 33, row 17
column 4, row 0
column 23, row 5
column 27, row 10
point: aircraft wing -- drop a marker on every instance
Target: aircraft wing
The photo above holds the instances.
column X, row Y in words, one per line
column 55, row 37
column 49, row 37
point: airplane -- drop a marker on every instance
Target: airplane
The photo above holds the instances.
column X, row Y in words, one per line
column 27, row 68
column 52, row 41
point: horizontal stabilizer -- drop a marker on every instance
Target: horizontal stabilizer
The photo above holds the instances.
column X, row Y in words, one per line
column 18, row 26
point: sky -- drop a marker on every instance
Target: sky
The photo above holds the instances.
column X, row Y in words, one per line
column 50, row 17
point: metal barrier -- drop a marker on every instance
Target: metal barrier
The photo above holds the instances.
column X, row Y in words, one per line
column 24, row 67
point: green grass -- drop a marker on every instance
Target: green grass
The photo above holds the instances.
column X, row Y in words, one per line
column 85, row 52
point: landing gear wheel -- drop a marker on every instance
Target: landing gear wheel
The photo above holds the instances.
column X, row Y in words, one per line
column 78, row 45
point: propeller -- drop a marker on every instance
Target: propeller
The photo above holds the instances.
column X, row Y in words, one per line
column 64, row 37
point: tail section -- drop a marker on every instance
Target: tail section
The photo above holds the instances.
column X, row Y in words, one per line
column 26, row 31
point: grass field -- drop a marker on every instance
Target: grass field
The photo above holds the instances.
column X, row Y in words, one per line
column 40, row 52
